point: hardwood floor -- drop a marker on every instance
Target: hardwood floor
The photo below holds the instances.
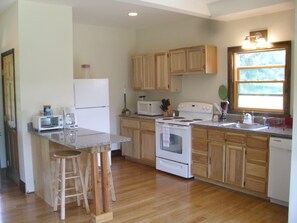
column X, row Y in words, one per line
column 145, row 195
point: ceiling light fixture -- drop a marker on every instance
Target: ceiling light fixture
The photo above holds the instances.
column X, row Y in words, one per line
column 132, row 13
column 256, row 39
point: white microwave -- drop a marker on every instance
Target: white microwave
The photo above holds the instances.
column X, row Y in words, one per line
column 51, row 122
column 150, row 108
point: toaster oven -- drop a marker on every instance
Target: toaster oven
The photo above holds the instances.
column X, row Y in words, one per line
column 51, row 122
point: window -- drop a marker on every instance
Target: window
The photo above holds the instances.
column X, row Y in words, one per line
column 259, row 80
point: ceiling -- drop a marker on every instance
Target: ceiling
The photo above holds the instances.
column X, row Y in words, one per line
column 157, row 12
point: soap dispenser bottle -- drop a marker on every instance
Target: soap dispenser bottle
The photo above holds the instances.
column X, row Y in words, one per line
column 242, row 117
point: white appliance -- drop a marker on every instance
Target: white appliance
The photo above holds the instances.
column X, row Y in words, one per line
column 279, row 170
column 150, row 108
column 50, row 122
column 173, row 137
column 91, row 100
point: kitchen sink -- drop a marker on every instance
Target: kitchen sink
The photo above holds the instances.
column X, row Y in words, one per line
column 254, row 126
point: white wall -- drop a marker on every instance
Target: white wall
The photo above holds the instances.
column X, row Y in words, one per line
column 8, row 40
column 46, row 69
column 108, row 51
column 197, row 31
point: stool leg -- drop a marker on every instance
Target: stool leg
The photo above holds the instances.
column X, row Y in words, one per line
column 83, row 186
column 56, row 189
column 75, row 181
column 63, row 169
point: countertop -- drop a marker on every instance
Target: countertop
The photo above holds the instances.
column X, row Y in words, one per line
column 81, row 138
column 142, row 116
column 273, row 131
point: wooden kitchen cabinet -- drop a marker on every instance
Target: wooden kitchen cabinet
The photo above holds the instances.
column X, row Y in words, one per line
column 216, row 155
column 142, row 147
column 149, row 76
column 130, row 128
column 235, row 158
column 199, row 165
column 164, row 81
column 256, row 175
column 198, row 59
column 137, row 72
column 202, row 59
column 150, row 72
column 148, row 141
column 143, row 72
column 178, row 61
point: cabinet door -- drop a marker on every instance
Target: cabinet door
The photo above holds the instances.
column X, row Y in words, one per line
column 137, row 72
column 216, row 167
column 131, row 148
column 148, row 147
column 235, row 160
column 162, row 74
column 148, row 72
column 177, row 61
column 196, row 59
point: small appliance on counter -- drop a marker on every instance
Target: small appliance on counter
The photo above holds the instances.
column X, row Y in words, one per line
column 150, row 108
column 51, row 122
column 70, row 121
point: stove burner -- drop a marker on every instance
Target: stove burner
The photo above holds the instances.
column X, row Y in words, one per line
column 197, row 119
column 186, row 120
column 178, row 117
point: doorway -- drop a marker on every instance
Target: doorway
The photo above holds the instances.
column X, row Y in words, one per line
column 9, row 114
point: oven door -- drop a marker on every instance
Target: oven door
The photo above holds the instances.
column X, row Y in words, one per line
column 177, row 145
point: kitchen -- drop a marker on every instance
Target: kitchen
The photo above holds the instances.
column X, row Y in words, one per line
column 119, row 45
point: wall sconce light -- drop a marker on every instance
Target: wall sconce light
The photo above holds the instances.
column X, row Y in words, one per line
column 256, row 39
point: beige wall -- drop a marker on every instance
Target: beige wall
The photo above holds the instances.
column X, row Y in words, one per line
column 46, row 69
column 8, row 40
column 202, row 31
column 108, row 51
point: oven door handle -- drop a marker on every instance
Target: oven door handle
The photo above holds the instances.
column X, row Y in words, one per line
column 173, row 126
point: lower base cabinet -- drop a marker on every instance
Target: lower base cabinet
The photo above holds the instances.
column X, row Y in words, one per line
column 233, row 159
column 142, row 147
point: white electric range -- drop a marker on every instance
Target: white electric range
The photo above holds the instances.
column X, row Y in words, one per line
column 173, row 137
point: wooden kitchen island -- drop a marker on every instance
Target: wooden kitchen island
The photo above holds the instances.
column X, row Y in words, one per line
column 44, row 144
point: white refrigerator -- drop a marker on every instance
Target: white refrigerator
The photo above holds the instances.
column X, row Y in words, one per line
column 91, row 101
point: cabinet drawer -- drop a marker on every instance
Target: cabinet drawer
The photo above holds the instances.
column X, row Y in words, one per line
column 256, row 170
column 199, row 145
column 216, row 135
column 130, row 123
column 147, row 125
column 235, row 137
column 257, row 155
column 199, row 169
column 199, row 158
column 256, row 185
column 199, row 133
column 255, row 141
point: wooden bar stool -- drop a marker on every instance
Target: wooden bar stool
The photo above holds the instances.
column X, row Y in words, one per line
column 110, row 179
column 60, row 180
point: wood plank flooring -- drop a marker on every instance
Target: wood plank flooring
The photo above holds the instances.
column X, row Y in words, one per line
column 145, row 195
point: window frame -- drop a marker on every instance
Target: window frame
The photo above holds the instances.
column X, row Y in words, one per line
column 232, row 72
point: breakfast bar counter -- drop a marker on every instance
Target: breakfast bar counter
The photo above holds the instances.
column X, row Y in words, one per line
column 44, row 144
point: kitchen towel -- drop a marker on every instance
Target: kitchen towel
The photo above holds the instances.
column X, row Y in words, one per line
column 166, row 135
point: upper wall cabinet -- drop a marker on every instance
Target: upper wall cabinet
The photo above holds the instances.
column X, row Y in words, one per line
column 198, row 59
column 143, row 69
column 151, row 72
